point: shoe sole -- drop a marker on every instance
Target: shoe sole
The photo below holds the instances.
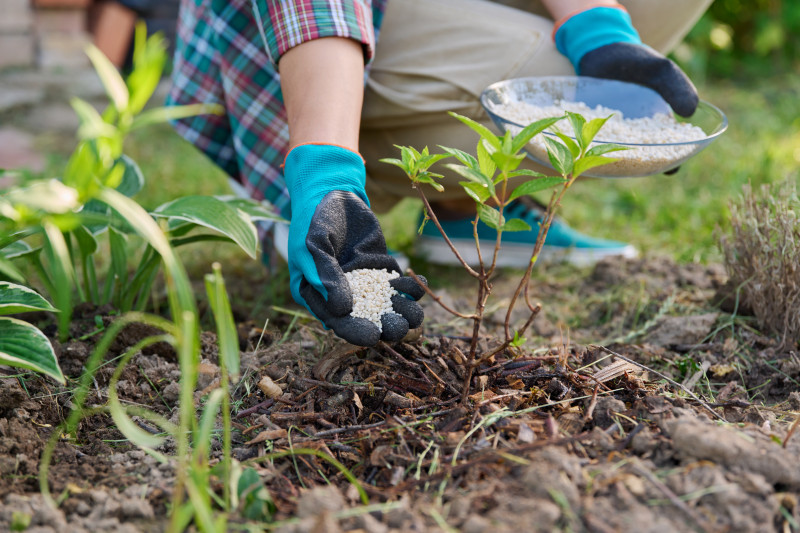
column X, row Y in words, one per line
column 436, row 251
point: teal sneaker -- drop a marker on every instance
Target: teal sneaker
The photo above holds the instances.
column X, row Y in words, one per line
column 562, row 243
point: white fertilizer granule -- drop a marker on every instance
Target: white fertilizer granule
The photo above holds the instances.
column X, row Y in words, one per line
column 372, row 294
column 640, row 160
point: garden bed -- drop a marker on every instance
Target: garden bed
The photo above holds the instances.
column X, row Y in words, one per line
column 558, row 434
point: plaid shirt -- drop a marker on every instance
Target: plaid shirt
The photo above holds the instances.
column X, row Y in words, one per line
column 227, row 52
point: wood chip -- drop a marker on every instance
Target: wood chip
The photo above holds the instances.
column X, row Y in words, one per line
column 615, row 370
column 264, row 436
column 482, row 396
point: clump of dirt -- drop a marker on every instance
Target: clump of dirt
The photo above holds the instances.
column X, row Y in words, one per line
column 683, row 426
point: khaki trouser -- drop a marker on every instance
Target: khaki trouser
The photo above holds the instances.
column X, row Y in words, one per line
column 435, row 56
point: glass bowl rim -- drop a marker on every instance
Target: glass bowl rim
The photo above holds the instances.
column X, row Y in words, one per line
column 723, row 126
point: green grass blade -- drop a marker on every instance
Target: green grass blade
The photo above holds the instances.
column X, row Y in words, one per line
column 227, row 336
column 204, row 430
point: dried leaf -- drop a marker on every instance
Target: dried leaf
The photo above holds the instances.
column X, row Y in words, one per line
column 722, row 370
column 570, row 423
column 270, row 434
column 515, row 383
column 357, row 401
column 380, row 455
column 482, row 396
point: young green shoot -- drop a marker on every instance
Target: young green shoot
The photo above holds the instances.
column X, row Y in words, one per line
column 491, row 180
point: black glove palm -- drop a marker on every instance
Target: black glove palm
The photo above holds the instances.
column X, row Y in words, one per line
column 639, row 64
column 345, row 235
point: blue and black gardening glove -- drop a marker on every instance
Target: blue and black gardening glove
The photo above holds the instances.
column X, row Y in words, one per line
column 333, row 231
column 601, row 42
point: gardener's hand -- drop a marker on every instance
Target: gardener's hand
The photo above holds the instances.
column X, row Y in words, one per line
column 333, row 231
column 601, row 42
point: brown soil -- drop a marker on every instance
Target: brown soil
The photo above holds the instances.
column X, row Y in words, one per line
column 551, row 439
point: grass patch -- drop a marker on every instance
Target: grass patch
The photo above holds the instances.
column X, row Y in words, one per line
column 675, row 215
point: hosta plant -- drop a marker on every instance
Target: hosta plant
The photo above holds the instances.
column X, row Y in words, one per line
column 493, row 178
column 61, row 228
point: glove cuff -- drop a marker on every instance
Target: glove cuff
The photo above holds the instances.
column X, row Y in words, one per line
column 313, row 170
column 587, row 30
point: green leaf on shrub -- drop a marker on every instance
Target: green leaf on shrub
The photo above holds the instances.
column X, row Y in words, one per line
column 426, row 178
column 483, row 131
column 590, row 129
column 476, row 191
column 485, row 162
column 578, row 122
column 506, row 162
column 20, row 299
column 530, row 131
column 463, row 157
column 22, row 345
column 516, row 224
column 526, row 172
column 475, row 176
column 216, row 215
column 590, row 161
column 534, row 186
column 560, row 156
column 605, row 148
column 490, row 216
column 570, row 143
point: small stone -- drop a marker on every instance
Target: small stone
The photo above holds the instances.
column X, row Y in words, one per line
column 318, row 500
column 171, row 392
column 137, row 508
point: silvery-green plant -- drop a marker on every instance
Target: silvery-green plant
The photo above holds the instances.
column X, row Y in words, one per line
column 493, row 179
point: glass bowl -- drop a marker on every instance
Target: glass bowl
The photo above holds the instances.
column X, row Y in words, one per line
column 634, row 101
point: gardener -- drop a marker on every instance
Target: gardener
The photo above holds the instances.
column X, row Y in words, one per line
column 301, row 130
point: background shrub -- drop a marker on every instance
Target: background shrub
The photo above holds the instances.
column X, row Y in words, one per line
column 743, row 38
column 762, row 256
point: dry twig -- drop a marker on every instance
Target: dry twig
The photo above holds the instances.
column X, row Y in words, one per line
column 670, row 381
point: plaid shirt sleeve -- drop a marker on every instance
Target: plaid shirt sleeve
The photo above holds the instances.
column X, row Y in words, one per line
column 285, row 24
column 221, row 57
